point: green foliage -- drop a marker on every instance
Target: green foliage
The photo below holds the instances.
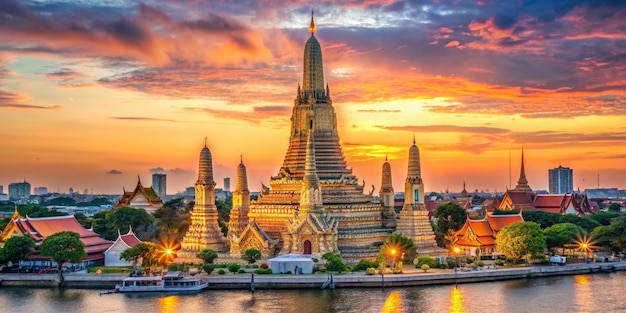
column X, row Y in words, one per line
column 615, row 207
column 174, row 267
column 443, row 266
column 251, row 255
column 63, row 247
column 83, row 220
column 546, row 220
column 604, row 218
column 469, row 260
column 426, row 260
column 221, row 272
column 234, row 268
column 208, row 268
column 111, row 269
column 521, row 240
column 405, row 248
column 16, row 248
column 223, row 208
column 499, row 262
column 223, row 227
column 108, row 223
column 146, row 251
column 613, row 236
column 480, row 263
column 60, row 201
column 370, row 271
column 364, row 265
column 172, row 219
column 242, row 271
column 288, row 272
column 263, row 271
column 334, row 262
column 450, row 217
column 451, row 263
column 425, row 268
column 207, row 256
column 560, row 234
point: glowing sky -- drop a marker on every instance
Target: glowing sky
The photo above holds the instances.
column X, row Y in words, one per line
column 94, row 93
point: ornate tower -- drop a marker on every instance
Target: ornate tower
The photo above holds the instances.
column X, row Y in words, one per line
column 386, row 193
column 204, row 231
column 241, row 202
column 522, row 182
column 414, row 222
column 362, row 228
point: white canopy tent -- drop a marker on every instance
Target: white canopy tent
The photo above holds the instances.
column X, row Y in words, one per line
column 288, row 262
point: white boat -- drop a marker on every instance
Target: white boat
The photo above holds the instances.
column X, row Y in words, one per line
column 173, row 282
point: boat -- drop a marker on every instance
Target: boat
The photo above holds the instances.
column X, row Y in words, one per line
column 174, row 282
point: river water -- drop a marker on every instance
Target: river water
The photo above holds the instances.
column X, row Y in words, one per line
column 581, row 293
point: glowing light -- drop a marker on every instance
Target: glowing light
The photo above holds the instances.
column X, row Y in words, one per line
column 393, row 303
column 393, row 251
column 457, row 301
column 167, row 251
column 168, row 304
column 457, row 250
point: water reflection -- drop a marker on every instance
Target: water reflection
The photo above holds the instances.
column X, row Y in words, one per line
column 457, row 301
column 168, row 304
column 393, row 304
column 583, row 295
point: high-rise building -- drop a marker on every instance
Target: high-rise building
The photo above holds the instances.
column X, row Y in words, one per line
column 226, row 183
column 19, row 191
column 159, row 184
column 561, row 180
column 1, row 190
column 40, row 191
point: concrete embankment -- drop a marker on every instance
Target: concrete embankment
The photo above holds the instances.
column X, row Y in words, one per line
column 411, row 277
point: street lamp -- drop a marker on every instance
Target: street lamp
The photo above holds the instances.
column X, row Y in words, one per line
column 585, row 247
column 456, row 250
column 393, row 259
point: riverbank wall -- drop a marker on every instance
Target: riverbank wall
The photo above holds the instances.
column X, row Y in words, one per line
column 411, row 277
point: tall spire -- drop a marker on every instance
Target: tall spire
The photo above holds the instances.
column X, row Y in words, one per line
column 386, row 184
column 241, row 183
column 312, row 25
column 205, row 167
column 310, row 193
column 522, row 182
column 414, row 162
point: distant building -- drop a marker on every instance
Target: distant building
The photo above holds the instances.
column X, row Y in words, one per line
column 159, row 184
column 226, row 183
column 71, row 191
column 123, row 242
column 40, row 191
column 561, row 180
column 140, row 198
column 19, row 191
column 1, row 190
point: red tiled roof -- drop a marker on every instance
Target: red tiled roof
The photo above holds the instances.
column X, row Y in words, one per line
column 549, row 201
column 130, row 239
column 497, row 222
column 42, row 227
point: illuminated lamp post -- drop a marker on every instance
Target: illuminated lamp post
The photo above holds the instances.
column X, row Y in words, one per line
column 393, row 258
column 585, row 247
column 457, row 251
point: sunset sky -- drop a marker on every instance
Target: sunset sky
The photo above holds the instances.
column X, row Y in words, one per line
column 96, row 92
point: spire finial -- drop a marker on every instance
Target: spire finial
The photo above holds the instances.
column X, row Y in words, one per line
column 205, row 141
column 241, row 158
column 138, row 180
column 413, row 138
column 385, row 158
column 312, row 26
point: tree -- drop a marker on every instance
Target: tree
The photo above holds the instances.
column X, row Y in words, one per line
column 16, row 248
column 586, row 223
column 172, row 219
column 613, row 235
column 604, row 218
column 223, row 208
column 521, row 240
column 107, row 224
column 450, row 218
column 334, row 262
column 207, row 256
column 251, row 255
column 63, row 247
column 544, row 219
column 615, row 207
column 560, row 234
column 146, row 251
column 404, row 247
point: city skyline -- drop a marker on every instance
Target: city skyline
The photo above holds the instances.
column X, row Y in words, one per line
column 93, row 95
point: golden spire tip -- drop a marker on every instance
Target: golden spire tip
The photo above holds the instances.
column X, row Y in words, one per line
column 312, row 25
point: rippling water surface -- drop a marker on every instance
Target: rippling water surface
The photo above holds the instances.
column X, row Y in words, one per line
column 581, row 293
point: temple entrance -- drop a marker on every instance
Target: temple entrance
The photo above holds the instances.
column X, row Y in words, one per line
column 307, row 247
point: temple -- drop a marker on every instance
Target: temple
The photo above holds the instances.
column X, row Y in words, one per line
column 41, row 227
column 204, row 231
column 314, row 204
column 140, row 198
column 414, row 221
